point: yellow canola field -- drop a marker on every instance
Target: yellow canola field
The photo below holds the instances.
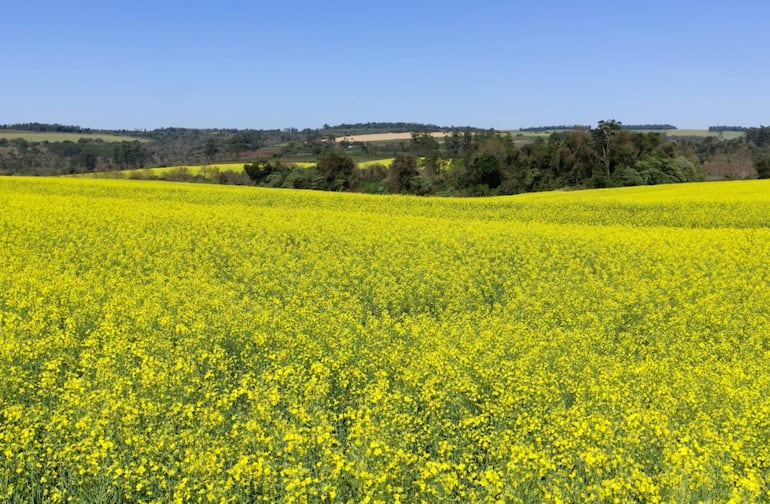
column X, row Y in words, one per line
column 207, row 171
column 164, row 342
column 204, row 170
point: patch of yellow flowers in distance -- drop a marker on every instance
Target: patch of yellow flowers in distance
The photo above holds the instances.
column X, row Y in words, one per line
column 207, row 171
column 165, row 342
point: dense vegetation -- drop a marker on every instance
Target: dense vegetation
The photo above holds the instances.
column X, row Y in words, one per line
column 727, row 128
column 493, row 163
column 633, row 127
column 466, row 161
column 186, row 343
column 44, row 127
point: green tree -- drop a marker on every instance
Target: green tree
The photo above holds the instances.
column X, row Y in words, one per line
column 762, row 166
column 129, row 155
column 423, row 144
column 484, row 166
column 266, row 172
column 605, row 139
column 88, row 158
column 337, row 170
column 211, row 149
column 402, row 174
column 484, row 169
column 236, row 145
column 454, row 145
column 579, row 156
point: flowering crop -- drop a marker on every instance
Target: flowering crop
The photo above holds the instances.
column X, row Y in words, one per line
column 166, row 342
column 206, row 170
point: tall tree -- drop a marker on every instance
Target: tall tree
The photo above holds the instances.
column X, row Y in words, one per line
column 604, row 137
column 337, row 170
column 237, row 145
column 402, row 173
column 211, row 149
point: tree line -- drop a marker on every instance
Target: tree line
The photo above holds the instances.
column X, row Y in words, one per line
column 45, row 128
column 487, row 163
column 634, row 127
column 23, row 157
column 726, row 128
column 468, row 161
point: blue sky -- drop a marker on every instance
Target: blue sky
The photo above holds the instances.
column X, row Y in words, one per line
column 488, row 63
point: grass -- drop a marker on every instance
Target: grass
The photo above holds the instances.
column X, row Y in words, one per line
column 727, row 135
column 44, row 136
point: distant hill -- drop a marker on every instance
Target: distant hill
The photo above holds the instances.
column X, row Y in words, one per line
column 72, row 131
column 649, row 127
column 634, row 127
column 51, row 136
column 372, row 128
column 727, row 128
column 45, row 127
column 546, row 129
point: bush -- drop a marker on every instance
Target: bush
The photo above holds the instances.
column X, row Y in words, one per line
column 626, row 176
column 401, row 174
column 599, row 180
column 337, row 169
column 763, row 167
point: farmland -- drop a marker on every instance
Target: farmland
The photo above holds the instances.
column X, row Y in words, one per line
column 672, row 133
column 208, row 170
column 727, row 135
column 384, row 137
column 531, row 136
column 44, row 136
column 193, row 170
column 165, row 342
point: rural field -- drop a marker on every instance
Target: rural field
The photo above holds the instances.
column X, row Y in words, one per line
column 207, row 171
column 165, row 342
column 727, row 135
column 384, row 137
column 44, row 136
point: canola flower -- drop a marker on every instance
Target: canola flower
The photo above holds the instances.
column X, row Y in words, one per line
column 166, row 342
column 207, row 171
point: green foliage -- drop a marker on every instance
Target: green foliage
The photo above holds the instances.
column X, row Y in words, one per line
column 277, row 174
column 44, row 127
column 626, row 176
column 402, row 174
column 599, row 181
column 727, row 128
column 129, row 155
column 484, row 169
column 424, row 145
column 337, row 170
column 658, row 170
column 604, row 138
column 263, row 172
column 466, row 161
column 550, row 129
column 758, row 137
column 649, row 127
column 237, row 144
column 686, row 169
column 763, row 167
column 211, row 149
column 386, row 127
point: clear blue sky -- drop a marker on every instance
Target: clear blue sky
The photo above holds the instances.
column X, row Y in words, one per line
column 488, row 63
